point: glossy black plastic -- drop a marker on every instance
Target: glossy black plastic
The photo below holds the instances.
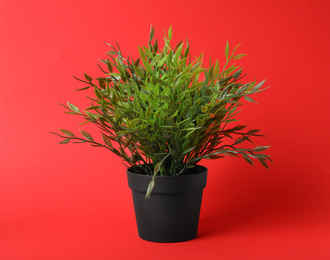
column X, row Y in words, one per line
column 172, row 212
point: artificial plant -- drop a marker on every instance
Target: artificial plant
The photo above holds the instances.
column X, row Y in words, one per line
column 165, row 111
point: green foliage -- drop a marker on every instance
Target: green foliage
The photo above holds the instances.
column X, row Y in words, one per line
column 164, row 112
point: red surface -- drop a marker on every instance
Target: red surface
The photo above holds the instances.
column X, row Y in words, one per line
column 72, row 202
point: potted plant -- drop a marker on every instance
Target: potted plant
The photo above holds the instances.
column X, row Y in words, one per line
column 162, row 113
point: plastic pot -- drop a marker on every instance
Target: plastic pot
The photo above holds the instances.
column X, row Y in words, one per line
column 172, row 212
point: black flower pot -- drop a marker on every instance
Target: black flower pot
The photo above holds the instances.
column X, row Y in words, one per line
column 172, row 212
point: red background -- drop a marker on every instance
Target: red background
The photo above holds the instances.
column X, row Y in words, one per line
column 72, row 201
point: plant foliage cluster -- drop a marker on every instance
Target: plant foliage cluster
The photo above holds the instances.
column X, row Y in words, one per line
column 164, row 112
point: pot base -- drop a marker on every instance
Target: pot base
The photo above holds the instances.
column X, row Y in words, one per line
column 167, row 218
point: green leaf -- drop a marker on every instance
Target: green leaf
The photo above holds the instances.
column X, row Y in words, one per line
column 213, row 157
column 82, row 89
column 175, row 114
column 102, row 83
column 65, row 141
column 249, row 99
column 113, row 74
column 136, row 63
column 156, row 127
column 197, row 102
column 247, row 158
column 107, row 141
column 188, row 150
column 73, row 107
column 152, row 182
column 148, row 111
column 253, row 131
column 230, row 69
column 112, row 52
column 92, row 108
column 260, row 155
column 156, row 45
column 239, row 127
column 98, row 93
column 160, row 82
column 198, row 71
column 204, row 109
column 239, row 140
column 150, row 100
column 151, row 186
column 162, row 61
column 242, row 89
column 86, row 135
column 230, row 120
column 264, row 163
column 179, row 51
column 152, row 32
column 147, row 66
column 259, row 85
column 227, row 50
column 164, row 98
column 148, row 52
column 142, row 54
column 239, row 56
column 232, row 153
column 170, row 33
column 138, row 72
column 260, row 148
column 67, row 132
column 88, row 78
column 232, row 54
column 157, row 168
column 109, row 65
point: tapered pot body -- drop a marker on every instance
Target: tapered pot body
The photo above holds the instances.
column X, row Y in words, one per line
column 172, row 212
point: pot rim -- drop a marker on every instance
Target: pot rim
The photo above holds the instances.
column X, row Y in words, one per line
column 169, row 184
